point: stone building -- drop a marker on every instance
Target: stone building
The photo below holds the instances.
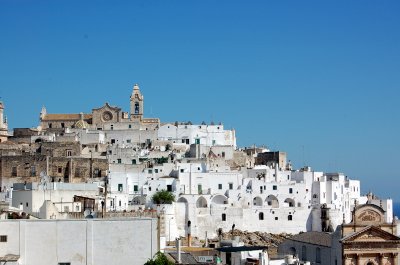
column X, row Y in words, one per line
column 106, row 117
column 61, row 161
column 368, row 239
column 271, row 158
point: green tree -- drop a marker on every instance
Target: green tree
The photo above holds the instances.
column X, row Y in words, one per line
column 163, row 197
column 159, row 259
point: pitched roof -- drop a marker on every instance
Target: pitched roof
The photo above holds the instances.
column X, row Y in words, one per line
column 186, row 258
column 371, row 228
column 316, row 238
column 65, row 117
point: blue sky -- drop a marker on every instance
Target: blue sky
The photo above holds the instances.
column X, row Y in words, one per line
column 317, row 79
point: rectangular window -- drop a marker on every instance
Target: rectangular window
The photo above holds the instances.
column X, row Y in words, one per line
column 223, row 217
column 136, row 188
column 64, row 263
column 197, row 141
column 274, row 187
column 150, row 171
column 119, row 203
column 169, row 187
column 112, row 141
column 187, row 141
column 14, row 171
column 156, row 170
column 69, row 152
column 213, row 142
column 128, row 141
column 199, row 189
column 223, row 154
column 129, row 126
column 231, row 186
column 133, row 161
column 220, row 186
column 290, row 190
column 33, row 171
column 119, row 160
column 3, row 238
column 120, row 187
column 62, row 125
column 182, row 170
column 50, row 125
column 59, row 170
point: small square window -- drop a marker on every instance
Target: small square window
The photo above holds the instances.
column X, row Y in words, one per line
column 274, row 187
column 182, row 170
column 3, row 238
column 276, row 218
column 150, row 171
column 156, row 170
column 119, row 160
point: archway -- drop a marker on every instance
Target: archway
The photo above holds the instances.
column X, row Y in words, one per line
column 290, row 202
column 257, row 201
column 201, row 202
column 272, row 201
column 219, row 199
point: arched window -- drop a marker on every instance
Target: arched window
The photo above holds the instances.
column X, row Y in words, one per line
column 136, row 107
column 318, row 255
column 260, row 216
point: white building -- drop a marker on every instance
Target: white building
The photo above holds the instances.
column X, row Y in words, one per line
column 31, row 197
column 74, row 242
column 208, row 135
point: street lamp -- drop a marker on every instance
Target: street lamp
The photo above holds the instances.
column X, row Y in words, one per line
column 169, row 229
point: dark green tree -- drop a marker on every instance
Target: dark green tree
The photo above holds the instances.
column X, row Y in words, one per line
column 159, row 259
column 163, row 197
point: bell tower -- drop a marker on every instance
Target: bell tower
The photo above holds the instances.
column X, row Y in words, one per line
column 136, row 104
column 3, row 124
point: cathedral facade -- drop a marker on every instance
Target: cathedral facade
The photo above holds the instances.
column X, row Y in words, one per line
column 106, row 117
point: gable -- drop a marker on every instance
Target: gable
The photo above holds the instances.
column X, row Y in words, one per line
column 370, row 234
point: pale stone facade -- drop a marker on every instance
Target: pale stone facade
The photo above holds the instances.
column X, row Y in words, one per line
column 3, row 124
column 106, row 117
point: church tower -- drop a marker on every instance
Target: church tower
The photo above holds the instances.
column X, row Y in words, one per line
column 3, row 125
column 136, row 104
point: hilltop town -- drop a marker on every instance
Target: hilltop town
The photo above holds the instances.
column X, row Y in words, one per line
column 122, row 186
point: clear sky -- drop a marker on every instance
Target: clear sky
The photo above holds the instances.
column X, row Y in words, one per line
column 317, row 79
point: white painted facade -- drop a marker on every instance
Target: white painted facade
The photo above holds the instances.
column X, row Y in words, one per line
column 208, row 135
column 31, row 197
column 86, row 242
